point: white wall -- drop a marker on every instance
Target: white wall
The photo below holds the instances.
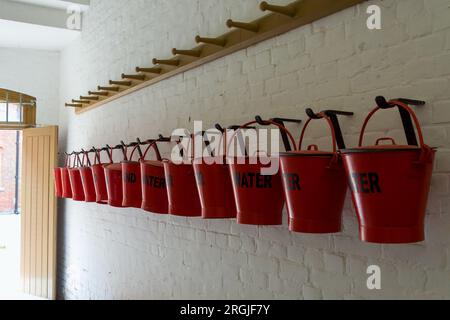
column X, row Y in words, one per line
column 334, row 63
column 36, row 73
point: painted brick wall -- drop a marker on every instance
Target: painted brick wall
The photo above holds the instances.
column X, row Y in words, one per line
column 34, row 72
column 7, row 170
column 336, row 62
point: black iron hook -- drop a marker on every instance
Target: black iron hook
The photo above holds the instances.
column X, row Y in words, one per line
column 333, row 116
column 408, row 126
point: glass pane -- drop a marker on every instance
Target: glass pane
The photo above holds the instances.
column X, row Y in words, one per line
column 2, row 112
column 14, row 112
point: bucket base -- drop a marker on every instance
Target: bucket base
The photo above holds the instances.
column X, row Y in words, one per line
column 259, row 219
column 314, row 226
column 148, row 208
column 392, row 235
column 217, row 213
column 136, row 205
column 116, row 205
column 183, row 213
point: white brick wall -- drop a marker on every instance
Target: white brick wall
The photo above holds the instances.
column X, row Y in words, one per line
column 335, row 62
column 34, row 72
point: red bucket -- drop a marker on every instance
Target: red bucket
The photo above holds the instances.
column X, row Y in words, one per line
column 390, row 183
column 98, row 173
column 182, row 190
column 76, row 183
column 58, row 182
column 315, row 186
column 154, row 190
column 214, row 186
column 113, row 178
column 215, row 189
column 88, row 180
column 65, row 180
column 131, row 181
column 259, row 198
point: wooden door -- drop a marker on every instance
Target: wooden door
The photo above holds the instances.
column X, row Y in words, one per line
column 38, row 209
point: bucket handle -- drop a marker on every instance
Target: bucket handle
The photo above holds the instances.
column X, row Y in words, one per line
column 86, row 160
column 407, row 114
column 401, row 106
column 266, row 122
column 67, row 161
column 385, row 139
column 333, row 133
column 153, row 145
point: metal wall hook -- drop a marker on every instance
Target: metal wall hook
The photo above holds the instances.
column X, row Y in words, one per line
column 288, row 10
column 192, row 53
column 221, row 42
column 252, row 26
column 140, row 77
column 173, row 62
column 149, row 70
column 280, row 121
column 333, row 116
column 408, row 126
column 114, row 88
column 384, row 104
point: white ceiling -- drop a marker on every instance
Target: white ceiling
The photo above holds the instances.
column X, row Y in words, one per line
column 31, row 36
column 57, row 4
column 37, row 24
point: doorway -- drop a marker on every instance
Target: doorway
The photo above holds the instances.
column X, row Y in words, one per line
column 10, row 230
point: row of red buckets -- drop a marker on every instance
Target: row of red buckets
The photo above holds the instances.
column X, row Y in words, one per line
column 389, row 182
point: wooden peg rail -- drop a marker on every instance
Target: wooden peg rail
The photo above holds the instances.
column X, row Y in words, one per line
column 281, row 19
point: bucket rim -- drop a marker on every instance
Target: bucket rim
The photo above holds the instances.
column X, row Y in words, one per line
column 380, row 150
column 306, row 154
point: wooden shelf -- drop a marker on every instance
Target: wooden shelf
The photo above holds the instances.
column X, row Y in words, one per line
column 243, row 35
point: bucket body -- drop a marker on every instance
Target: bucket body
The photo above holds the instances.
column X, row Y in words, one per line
column 65, row 181
column 154, row 190
column 182, row 191
column 131, row 184
column 390, row 190
column 113, row 178
column 58, row 182
column 214, row 188
column 315, row 192
column 101, row 193
column 259, row 198
column 88, row 184
column 76, row 184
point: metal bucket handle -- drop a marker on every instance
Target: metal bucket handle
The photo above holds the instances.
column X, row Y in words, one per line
column 86, row 160
column 266, row 123
column 152, row 144
column 407, row 114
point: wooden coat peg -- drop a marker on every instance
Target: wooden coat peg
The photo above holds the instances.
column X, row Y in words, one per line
column 140, row 77
column 73, row 105
column 289, row 10
column 98, row 93
column 114, row 88
column 174, row 62
column 90, row 98
column 221, row 42
column 81, row 101
column 192, row 53
column 149, row 70
column 252, row 26
column 121, row 83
